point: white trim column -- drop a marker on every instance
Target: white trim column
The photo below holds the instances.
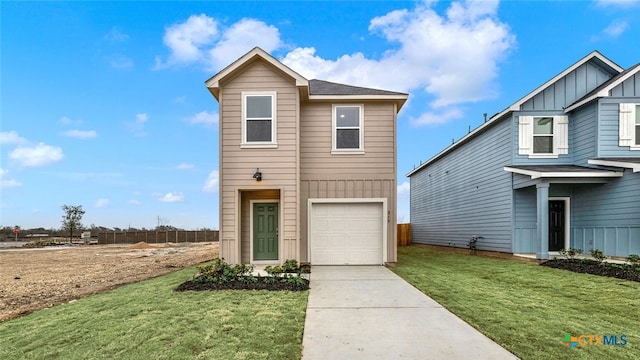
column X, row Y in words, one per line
column 542, row 228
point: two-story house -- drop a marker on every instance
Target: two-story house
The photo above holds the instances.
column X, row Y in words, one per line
column 307, row 167
column 559, row 168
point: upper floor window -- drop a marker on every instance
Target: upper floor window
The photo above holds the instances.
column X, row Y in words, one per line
column 259, row 119
column 630, row 125
column 543, row 136
column 348, row 129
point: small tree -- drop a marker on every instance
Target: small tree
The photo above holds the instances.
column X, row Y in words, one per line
column 71, row 220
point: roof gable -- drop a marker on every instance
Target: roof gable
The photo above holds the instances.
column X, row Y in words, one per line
column 605, row 89
column 213, row 84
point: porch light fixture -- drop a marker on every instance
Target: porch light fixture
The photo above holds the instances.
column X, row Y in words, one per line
column 257, row 175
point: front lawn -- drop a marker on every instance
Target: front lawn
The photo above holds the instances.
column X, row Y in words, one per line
column 149, row 320
column 528, row 308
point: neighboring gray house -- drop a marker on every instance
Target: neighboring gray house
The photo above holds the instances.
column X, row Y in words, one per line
column 307, row 167
column 559, row 168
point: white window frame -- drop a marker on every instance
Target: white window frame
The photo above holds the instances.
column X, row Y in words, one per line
column 259, row 144
column 560, row 136
column 334, row 130
column 627, row 124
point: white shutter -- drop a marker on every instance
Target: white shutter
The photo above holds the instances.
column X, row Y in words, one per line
column 560, row 134
column 525, row 135
column 627, row 123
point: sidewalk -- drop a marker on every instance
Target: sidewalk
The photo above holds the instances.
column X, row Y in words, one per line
column 368, row 312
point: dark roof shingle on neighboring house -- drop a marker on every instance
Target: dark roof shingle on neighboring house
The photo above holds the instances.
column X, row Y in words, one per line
column 321, row 87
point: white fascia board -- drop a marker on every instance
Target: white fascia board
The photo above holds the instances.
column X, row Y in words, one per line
column 564, row 174
column 622, row 164
column 214, row 81
column 604, row 92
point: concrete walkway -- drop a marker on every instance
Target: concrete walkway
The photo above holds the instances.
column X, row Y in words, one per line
column 368, row 312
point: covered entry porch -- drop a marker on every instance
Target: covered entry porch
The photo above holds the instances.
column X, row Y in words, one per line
column 548, row 202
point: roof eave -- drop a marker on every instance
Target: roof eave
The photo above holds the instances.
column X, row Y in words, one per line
column 563, row 174
column 621, row 164
column 399, row 99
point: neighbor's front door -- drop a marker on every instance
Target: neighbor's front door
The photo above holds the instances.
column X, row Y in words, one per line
column 265, row 231
column 556, row 225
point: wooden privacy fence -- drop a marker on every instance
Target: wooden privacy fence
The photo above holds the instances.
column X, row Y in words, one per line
column 404, row 234
column 155, row 237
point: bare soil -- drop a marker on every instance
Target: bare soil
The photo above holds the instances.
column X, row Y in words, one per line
column 32, row 279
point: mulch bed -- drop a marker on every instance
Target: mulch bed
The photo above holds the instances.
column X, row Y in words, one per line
column 620, row 271
column 238, row 285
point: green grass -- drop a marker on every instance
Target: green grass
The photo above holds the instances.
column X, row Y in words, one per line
column 525, row 307
column 148, row 320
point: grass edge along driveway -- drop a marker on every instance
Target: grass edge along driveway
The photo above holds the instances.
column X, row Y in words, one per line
column 148, row 320
column 527, row 308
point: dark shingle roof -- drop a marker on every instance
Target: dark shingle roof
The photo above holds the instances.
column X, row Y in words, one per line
column 321, row 87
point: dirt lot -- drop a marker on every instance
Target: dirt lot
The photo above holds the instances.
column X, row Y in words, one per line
column 32, row 279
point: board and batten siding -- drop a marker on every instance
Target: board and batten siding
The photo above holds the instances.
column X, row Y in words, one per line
column 568, row 89
column 237, row 165
column 607, row 216
column 368, row 175
column 609, row 128
column 583, row 135
column 466, row 193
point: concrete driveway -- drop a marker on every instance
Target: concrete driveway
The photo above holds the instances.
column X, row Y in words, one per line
column 368, row 312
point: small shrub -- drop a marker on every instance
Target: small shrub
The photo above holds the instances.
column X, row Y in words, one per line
column 291, row 266
column 598, row 255
column 274, row 271
column 634, row 259
column 570, row 253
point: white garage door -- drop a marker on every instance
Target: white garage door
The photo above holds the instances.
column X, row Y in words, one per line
column 346, row 234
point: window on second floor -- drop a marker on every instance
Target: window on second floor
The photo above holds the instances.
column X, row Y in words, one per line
column 630, row 125
column 348, row 129
column 259, row 119
column 543, row 136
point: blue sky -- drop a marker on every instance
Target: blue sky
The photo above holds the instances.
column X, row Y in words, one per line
column 103, row 104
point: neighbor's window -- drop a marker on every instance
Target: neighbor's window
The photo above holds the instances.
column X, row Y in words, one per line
column 543, row 135
column 348, row 128
column 259, row 121
column 629, row 126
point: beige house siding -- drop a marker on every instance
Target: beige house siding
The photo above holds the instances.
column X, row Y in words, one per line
column 369, row 175
column 237, row 165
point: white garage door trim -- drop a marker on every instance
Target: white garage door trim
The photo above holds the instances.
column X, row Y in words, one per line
column 381, row 201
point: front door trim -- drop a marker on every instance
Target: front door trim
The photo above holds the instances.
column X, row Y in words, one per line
column 567, row 218
column 265, row 262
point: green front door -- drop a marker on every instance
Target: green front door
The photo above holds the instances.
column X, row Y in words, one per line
column 265, row 231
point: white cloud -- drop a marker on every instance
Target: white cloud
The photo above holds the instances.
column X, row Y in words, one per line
column 453, row 57
column 116, row 36
column 172, row 198
column 242, row 37
column 119, row 61
column 101, row 203
column 11, row 137
column 80, row 134
column 68, row 121
column 134, row 202
column 211, row 184
column 438, row 117
column 5, row 182
column 617, row 3
column 616, row 28
column 185, row 166
column 137, row 126
column 205, row 118
column 403, row 189
column 200, row 40
column 41, row 154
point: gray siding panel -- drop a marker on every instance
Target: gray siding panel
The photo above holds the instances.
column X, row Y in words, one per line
column 467, row 193
column 525, row 221
column 607, row 217
column 582, row 132
column 609, row 129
